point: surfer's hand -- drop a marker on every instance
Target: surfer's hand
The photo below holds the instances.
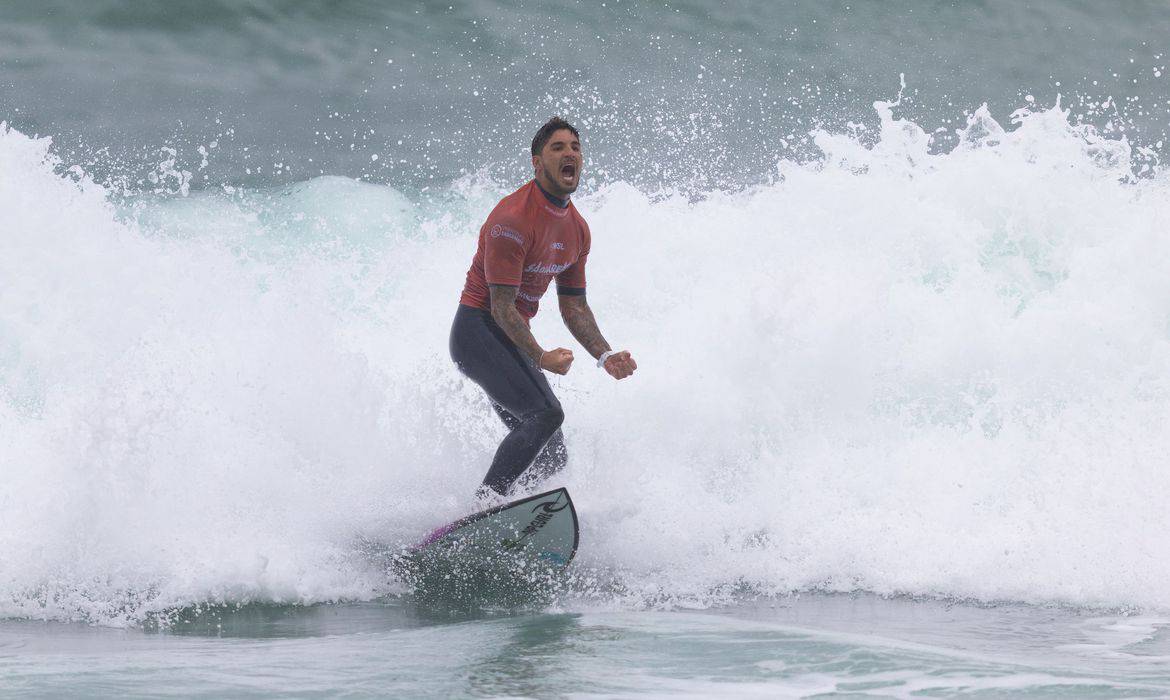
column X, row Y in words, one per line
column 557, row 360
column 620, row 365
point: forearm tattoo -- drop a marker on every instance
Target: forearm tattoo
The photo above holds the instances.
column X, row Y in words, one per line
column 580, row 322
column 508, row 317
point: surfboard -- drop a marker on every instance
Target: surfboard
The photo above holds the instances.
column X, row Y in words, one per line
column 518, row 545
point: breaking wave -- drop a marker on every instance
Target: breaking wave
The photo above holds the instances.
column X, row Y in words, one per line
column 890, row 369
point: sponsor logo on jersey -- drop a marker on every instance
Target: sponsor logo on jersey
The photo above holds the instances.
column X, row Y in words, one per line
column 548, row 268
column 498, row 231
column 558, row 246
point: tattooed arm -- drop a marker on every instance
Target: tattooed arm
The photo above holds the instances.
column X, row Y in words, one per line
column 581, row 323
column 508, row 318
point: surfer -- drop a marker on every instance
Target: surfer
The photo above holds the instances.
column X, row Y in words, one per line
column 531, row 237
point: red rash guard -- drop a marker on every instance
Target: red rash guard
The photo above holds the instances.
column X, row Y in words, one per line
column 526, row 242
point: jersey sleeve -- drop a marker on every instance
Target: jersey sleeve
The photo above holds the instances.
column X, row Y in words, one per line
column 572, row 280
column 505, row 244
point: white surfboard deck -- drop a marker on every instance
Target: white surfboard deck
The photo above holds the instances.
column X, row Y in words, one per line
column 535, row 532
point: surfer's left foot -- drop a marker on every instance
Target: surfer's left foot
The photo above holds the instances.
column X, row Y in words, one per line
column 486, row 497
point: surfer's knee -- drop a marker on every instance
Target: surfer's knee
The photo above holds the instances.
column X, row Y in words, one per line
column 551, row 418
column 542, row 424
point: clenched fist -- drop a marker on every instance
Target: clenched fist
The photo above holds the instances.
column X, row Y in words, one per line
column 557, row 360
column 620, row 365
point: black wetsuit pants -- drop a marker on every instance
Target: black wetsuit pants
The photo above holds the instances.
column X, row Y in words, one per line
column 520, row 395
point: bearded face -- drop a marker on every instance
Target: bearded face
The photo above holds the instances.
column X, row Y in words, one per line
column 558, row 167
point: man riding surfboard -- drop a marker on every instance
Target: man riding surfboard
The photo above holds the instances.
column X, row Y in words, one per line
column 531, row 237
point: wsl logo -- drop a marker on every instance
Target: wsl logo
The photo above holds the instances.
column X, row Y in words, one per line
column 546, row 512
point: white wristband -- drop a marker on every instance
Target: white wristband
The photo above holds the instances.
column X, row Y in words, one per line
column 604, row 356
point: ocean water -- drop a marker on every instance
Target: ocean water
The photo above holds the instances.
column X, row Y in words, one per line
column 894, row 274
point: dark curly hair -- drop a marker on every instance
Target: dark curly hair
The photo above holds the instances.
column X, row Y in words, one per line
column 545, row 133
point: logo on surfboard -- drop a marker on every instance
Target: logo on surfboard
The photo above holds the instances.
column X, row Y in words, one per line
column 547, row 510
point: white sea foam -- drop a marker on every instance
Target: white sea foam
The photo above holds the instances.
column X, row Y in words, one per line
column 891, row 370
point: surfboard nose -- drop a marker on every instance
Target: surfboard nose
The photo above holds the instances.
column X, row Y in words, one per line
column 540, row 528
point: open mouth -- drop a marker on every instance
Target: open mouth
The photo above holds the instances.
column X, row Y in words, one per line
column 568, row 171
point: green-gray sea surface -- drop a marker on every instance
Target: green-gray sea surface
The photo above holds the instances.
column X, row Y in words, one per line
column 799, row 646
